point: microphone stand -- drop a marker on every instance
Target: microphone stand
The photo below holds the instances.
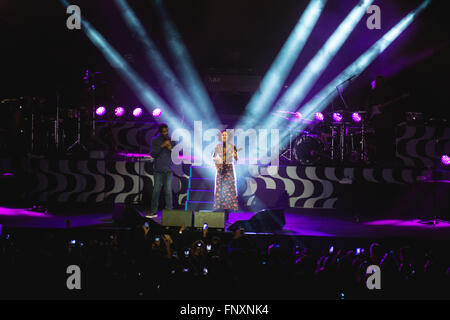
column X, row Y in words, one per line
column 342, row 126
column 341, row 91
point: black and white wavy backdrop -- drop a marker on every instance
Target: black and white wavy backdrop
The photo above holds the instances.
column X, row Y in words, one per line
column 128, row 135
column 94, row 181
column 121, row 181
column 313, row 187
column 422, row 146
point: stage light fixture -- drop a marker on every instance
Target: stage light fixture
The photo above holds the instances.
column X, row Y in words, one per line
column 174, row 90
column 156, row 112
column 119, row 111
column 323, row 98
column 445, row 159
column 319, row 116
column 100, row 111
column 356, row 117
column 137, row 112
column 337, row 117
column 298, row 115
column 328, row 93
column 307, row 78
column 146, row 94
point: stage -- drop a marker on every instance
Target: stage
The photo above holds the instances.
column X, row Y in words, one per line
column 300, row 223
column 325, row 124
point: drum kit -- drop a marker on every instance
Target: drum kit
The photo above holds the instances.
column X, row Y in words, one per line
column 337, row 137
column 38, row 127
column 31, row 126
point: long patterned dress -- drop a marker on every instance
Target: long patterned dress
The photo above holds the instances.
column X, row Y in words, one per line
column 225, row 193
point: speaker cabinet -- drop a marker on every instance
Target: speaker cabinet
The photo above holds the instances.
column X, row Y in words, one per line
column 176, row 218
column 269, row 220
column 213, row 219
column 263, row 221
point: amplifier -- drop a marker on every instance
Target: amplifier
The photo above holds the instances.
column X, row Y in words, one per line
column 176, row 218
column 212, row 218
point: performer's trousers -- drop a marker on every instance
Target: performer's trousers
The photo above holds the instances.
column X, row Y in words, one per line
column 162, row 179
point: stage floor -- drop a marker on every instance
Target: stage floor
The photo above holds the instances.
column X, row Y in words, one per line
column 299, row 222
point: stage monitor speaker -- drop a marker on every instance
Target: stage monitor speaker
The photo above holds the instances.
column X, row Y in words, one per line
column 242, row 224
column 267, row 220
column 215, row 220
column 176, row 218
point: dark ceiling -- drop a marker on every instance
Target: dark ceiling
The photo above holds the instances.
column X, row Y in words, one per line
column 40, row 55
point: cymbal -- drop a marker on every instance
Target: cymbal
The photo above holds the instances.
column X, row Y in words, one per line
column 347, row 111
column 339, row 111
column 292, row 116
column 10, row 100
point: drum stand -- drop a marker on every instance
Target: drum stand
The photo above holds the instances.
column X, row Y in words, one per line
column 56, row 133
column 78, row 141
column 342, row 142
column 92, row 87
column 32, row 132
column 333, row 142
column 337, row 148
column 287, row 154
column 364, row 156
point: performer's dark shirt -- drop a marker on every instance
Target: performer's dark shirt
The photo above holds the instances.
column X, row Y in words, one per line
column 163, row 156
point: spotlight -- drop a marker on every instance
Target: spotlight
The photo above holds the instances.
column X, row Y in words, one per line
column 271, row 85
column 137, row 112
column 319, row 116
column 325, row 95
column 170, row 84
column 337, row 117
column 156, row 112
column 445, row 159
column 356, row 117
column 189, row 75
column 298, row 115
column 100, row 111
column 305, row 81
column 119, row 111
column 143, row 91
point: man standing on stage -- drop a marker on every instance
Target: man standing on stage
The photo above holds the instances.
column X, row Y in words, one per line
column 381, row 105
column 161, row 151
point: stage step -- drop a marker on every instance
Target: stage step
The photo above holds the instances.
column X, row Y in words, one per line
column 203, row 172
column 200, row 195
column 199, row 205
column 202, row 183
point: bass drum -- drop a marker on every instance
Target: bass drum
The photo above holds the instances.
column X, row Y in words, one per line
column 308, row 150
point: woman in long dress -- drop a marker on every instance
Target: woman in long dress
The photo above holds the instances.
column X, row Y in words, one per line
column 225, row 192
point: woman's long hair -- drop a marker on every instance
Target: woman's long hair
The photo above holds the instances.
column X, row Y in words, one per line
column 229, row 136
